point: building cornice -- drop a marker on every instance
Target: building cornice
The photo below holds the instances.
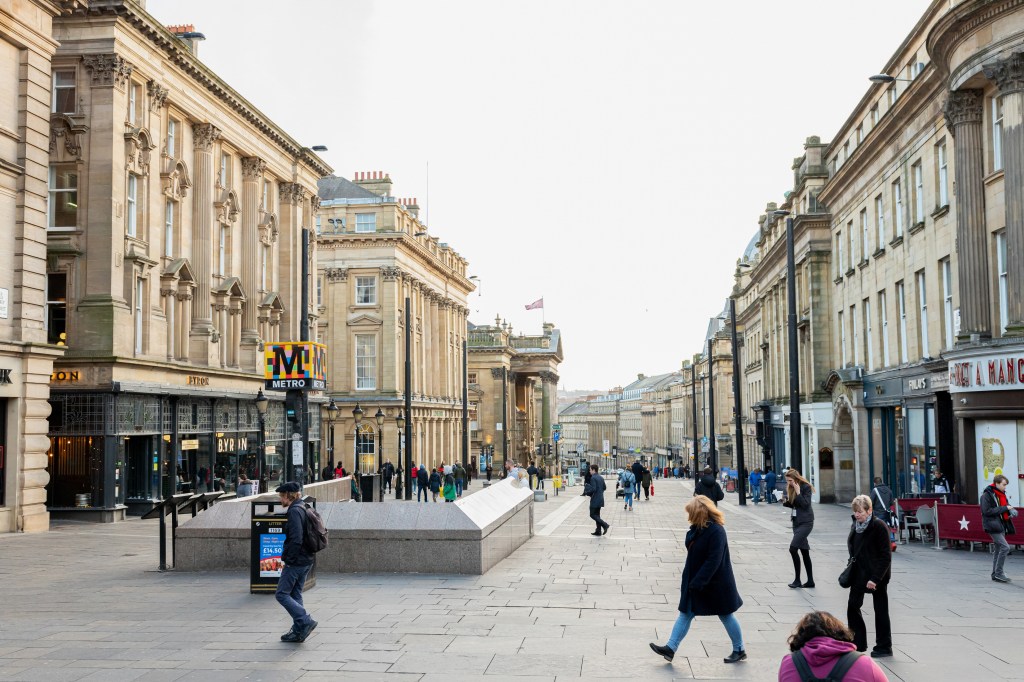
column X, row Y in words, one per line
column 960, row 23
column 402, row 243
column 177, row 54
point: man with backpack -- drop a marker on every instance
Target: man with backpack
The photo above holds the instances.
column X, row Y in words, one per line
column 298, row 559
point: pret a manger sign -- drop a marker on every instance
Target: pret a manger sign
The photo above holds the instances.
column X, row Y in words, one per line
column 295, row 365
column 987, row 373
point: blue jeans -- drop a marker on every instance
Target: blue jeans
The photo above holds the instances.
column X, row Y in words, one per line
column 289, row 594
column 629, row 497
column 682, row 626
column 420, row 488
column 458, row 487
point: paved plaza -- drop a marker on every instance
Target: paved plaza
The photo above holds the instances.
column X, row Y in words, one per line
column 84, row 602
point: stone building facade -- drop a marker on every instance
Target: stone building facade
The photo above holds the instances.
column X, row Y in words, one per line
column 26, row 359
column 176, row 212
column 515, row 393
column 374, row 254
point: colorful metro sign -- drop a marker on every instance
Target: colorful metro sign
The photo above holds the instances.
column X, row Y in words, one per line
column 295, row 365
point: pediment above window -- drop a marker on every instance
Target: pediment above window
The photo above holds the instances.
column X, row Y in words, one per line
column 227, row 207
column 174, row 179
column 138, row 148
column 365, row 320
column 268, row 229
column 66, row 132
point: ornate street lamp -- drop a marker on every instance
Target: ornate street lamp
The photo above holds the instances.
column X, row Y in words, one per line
column 400, row 423
column 332, row 416
column 380, row 449
column 262, row 403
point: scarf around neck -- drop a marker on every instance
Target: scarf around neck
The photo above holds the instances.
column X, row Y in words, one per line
column 859, row 527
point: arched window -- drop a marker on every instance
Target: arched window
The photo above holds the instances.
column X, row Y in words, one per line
column 366, row 449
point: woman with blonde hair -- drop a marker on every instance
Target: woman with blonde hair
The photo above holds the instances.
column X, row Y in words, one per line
column 708, row 585
column 868, row 544
column 798, row 498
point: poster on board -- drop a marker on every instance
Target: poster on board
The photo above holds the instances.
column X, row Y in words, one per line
column 271, row 549
column 996, row 443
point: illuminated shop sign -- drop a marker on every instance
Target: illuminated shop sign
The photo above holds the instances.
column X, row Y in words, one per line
column 298, row 365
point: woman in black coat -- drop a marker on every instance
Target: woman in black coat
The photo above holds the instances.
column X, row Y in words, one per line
column 798, row 498
column 708, row 586
column 868, row 544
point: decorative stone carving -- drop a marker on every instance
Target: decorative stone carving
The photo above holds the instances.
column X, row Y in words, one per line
column 157, row 94
column 175, row 179
column 1008, row 73
column 292, row 192
column 389, row 273
column 314, row 204
column 497, row 372
column 227, row 208
column 963, row 106
column 137, row 149
column 108, row 70
column 548, row 377
column 64, row 126
column 336, row 274
column 204, row 135
column 253, row 168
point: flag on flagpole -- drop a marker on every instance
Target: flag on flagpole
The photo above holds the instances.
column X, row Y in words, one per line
column 539, row 303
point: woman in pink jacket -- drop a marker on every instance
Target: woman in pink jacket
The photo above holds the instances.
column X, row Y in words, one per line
column 823, row 647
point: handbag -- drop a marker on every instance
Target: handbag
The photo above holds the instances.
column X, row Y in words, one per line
column 846, row 577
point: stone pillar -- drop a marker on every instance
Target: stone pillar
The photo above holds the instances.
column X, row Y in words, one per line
column 170, row 303
column 252, row 187
column 1009, row 77
column 963, row 111
column 204, row 135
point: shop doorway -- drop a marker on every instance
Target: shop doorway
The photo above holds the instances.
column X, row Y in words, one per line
column 143, row 468
column 844, row 454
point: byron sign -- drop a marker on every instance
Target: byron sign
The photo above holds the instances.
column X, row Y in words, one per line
column 298, row 365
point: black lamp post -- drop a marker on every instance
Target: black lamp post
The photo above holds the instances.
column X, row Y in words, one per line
column 795, row 430
column 400, row 423
column 332, row 415
column 380, row 448
column 357, row 414
column 262, row 403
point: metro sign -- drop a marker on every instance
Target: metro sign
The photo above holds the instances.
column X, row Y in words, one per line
column 296, row 365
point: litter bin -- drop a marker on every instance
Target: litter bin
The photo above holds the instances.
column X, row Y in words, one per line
column 266, row 546
column 369, row 487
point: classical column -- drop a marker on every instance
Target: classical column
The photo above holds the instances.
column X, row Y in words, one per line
column 184, row 345
column 204, row 135
column 1009, row 77
column 963, row 111
column 170, row 302
column 252, row 186
column 235, row 322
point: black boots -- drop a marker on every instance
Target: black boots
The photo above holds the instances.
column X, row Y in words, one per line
column 807, row 567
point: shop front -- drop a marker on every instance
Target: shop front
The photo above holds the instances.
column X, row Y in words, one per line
column 119, row 452
column 987, row 391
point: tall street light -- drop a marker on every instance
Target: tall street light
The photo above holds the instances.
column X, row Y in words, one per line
column 262, row 403
column 742, row 487
column 795, row 430
column 380, row 448
column 332, row 416
column 693, row 394
column 400, row 423
column 357, row 414
column 713, row 451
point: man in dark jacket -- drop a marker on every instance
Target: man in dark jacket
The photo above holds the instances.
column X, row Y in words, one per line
column 594, row 489
column 881, row 499
column 388, row 473
column 297, row 562
column 707, row 485
column 996, row 512
column 769, row 486
column 422, row 482
column 532, row 472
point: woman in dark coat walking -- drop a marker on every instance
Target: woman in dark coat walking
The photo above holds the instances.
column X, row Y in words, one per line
column 868, row 544
column 798, row 498
column 708, row 586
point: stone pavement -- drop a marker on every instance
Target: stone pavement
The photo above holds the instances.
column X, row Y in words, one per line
column 85, row 602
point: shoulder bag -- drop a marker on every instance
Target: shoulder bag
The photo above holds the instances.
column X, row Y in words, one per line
column 836, row 674
column 846, row 577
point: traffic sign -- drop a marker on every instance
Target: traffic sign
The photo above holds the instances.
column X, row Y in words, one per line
column 557, row 435
column 556, row 427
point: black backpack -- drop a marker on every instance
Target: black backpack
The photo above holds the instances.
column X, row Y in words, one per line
column 836, row 674
column 314, row 532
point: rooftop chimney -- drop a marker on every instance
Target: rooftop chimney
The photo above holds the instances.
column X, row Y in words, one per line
column 377, row 182
column 187, row 34
column 412, row 206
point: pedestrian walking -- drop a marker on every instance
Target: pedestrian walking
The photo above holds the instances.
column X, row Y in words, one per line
column 755, row 485
column 646, row 483
column 707, row 486
column 532, row 471
column 489, row 471
column 881, row 501
column 769, row 486
column 389, row 473
column 594, row 489
column 627, row 481
column 435, row 484
column 638, row 476
column 448, row 491
column 460, row 479
column 297, row 562
column 708, row 586
column 823, row 649
column 328, row 473
column 245, row 487
column 798, row 498
column 868, row 544
column 422, row 482
column 940, row 483
column 996, row 513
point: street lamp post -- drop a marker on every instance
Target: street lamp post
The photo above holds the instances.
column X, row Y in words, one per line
column 742, row 487
column 400, row 423
column 712, row 451
column 357, row 414
column 795, row 430
column 262, row 402
column 380, row 449
column 693, row 395
column 332, row 415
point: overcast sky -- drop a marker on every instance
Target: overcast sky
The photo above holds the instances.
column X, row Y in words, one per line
column 612, row 157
